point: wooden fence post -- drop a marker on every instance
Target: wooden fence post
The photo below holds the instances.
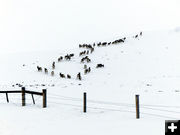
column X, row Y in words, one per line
column 44, row 98
column 23, row 96
column 85, row 103
column 7, row 97
column 137, row 107
column 33, row 98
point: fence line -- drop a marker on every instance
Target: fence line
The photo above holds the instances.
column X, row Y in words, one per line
column 59, row 98
column 92, row 101
column 23, row 92
column 160, row 110
column 115, row 110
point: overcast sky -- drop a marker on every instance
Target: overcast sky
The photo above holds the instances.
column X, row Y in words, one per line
column 46, row 24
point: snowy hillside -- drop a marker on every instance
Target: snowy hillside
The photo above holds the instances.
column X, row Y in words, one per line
column 148, row 65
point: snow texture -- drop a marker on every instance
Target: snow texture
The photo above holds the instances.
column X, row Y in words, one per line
column 148, row 66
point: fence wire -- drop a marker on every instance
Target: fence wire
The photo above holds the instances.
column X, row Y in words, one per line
column 114, row 104
column 57, row 99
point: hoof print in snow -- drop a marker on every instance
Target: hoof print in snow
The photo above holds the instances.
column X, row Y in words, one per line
column 160, row 91
column 148, row 85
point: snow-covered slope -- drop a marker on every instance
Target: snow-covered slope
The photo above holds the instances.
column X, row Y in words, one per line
column 148, row 66
column 44, row 24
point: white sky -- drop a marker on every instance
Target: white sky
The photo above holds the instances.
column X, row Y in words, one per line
column 45, row 24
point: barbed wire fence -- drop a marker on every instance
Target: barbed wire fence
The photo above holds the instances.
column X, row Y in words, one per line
column 61, row 100
column 112, row 106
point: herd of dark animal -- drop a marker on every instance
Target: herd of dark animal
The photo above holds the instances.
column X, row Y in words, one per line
column 89, row 50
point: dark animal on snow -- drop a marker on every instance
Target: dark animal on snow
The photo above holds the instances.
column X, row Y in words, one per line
column 118, row 41
column 71, row 55
column 86, row 59
column 53, row 65
column 60, row 58
column 39, row 69
column 61, row 75
column 136, row 36
column 82, row 60
column 80, row 46
column 104, row 43
column 99, row 44
column 52, row 73
column 87, row 52
column 19, row 85
column 92, row 50
column 141, row 33
column 87, row 46
column 99, row 66
column 79, row 76
column 67, row 57
column 45, row 70
column 87, row 70
column 68, row 76
column 82, row 53
column 85, row 66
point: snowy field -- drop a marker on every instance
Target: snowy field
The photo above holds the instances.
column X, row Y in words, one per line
column 148, row 66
